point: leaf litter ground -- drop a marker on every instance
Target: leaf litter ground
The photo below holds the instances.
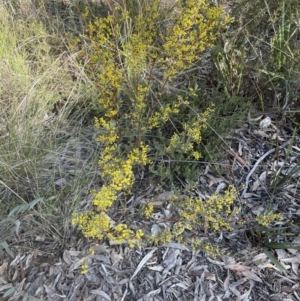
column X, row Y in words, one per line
column 37, row 268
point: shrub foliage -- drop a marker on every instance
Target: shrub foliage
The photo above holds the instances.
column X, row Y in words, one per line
column 135, row 56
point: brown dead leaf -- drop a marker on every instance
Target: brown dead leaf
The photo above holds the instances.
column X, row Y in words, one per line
column 115, row 257
column 214, row 180
column 177, row 246
column 257, row 210
column 40, row 237
column 3, row 268
column 37, row 283
column 165, row 196
column 227, row 260
column 260, row 257
column 210, row 276
column 296, row 286
column 157, row 268
column 143, row 262
column 281, row 254
column 198, row 270
column 251, row 275
column 226, row 282
column 22, row 272
column 221, row 187
column 237, row 267
column 101, row 249
column 73, row 253
column 77, row 264
column 100, row 293
column 67, row 257
column 295, row 268
column 5, row 287
column 294, row 251
column 260, row 181
column 28, row 260
column 17, row 259
column 246, row 294
column 295, row 259
column 262, row 134
column 61, row 182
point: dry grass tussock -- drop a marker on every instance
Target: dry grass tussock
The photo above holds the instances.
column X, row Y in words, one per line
column 43, row 151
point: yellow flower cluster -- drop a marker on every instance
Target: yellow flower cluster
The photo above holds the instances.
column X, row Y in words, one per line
column 178, row 230
column 92, row 224
column 265, row 219
column 122, row 234
column 148, row 210
column 184, row 142
column 120, row 177
column 211, row 250
column 84, row 268
column 195, row 29
column 163, row 114
column 163, row 237
column 110, row 130
column 211, row 213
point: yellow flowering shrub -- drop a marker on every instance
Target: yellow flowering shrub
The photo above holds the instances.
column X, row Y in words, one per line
column 134, row 58
column 194, row 214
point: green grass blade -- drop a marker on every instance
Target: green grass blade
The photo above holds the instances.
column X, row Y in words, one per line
column 275, row 261
column 282, row 245
column 4, row 245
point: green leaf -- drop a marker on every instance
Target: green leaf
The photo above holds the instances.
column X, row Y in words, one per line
column 276, row 230
column 19, row 209
column 282, row 245
column 6, row 220
column 9, row 292
column 25, row 297
column 4, row 245
column 275, row 261
column 24, row 207
column 34, row 202
column 29, row 297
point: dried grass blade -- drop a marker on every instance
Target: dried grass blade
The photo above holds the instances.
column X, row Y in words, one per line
column 142, row 263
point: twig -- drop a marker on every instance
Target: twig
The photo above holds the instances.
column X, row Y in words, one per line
column 269, row 152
